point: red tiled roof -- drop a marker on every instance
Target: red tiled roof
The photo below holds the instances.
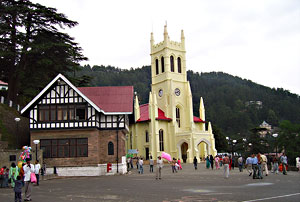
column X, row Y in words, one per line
column 110, row 98
column 198, row 120
column 144, row 114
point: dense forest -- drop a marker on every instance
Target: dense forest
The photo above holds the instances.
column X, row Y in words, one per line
column 228, row 100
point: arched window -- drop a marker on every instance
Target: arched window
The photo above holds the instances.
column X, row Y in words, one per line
column 147, row 136
column 110, row 148
column 172, row 63
column 179, row 64
column 156, row 66
column 178, row 116
column 162, row 64
column 161, row 140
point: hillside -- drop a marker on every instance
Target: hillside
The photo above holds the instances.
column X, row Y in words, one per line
column 228, row 100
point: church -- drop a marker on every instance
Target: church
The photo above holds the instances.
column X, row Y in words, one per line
column 166, row 123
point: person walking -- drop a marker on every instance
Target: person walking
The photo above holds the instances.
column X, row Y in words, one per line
column 179, row 163
column 151, row 163
column 283, row 160
column 259, row 162
column 18, row 188
column 249, row 165
column 211, row 160
column 195, row 162
column 159, row 165
column 207, row 162
column 28, row 169
column 254, row 166
column 226, row 163
column 37, row 169
column 13, row 173
column 141, row 169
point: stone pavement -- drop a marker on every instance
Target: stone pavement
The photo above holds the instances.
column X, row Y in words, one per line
column 188, row 185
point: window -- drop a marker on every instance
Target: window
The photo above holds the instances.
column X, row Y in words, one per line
column 162, row 65
column 156, row 66
column 61, row 112
column 65, row 148
column 172, row 63
column 80, row 112
column 178, row 116
column 110, row 148
column 179, row 64
column 161, row 140
column 147, row 136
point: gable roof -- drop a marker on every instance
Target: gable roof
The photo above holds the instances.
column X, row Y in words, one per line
column 144, row 114
column 112, row 99
column 86, row 98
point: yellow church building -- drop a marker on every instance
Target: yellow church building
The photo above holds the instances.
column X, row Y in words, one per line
column 166, row 123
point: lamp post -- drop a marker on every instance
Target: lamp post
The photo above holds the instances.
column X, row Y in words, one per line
column 36, row 142
column 17, row 120
column 232, row 142
column 275, row 135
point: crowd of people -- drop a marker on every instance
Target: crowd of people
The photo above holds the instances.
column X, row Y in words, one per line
column 19, row 176
column 257, row 165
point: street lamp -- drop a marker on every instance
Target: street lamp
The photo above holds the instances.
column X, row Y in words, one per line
column 275, row 135
column 36, row 142
column 17, row 120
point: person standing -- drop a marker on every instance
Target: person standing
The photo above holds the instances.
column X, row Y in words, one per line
column 275, row 164
column 249, row 165
column 37, row 168
column 298, row 163
column 195, row 162
column 13, row 173
column 18, row 188
column 173, row 165
column 159, row 165
column 241, row 163
column 226, row 163
column 207, row 162
column 283, row 160
column 179, row 163
column 211, row 160
column 141, row 162
column 28, row 169
column 264, row 164
column 151, row 163
column 217, row 162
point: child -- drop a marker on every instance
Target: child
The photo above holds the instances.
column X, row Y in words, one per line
column 5, row 178
column 18, row 189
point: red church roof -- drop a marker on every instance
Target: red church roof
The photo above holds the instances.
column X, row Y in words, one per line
column 111, row 99
column 144, row 114
column 198, row 120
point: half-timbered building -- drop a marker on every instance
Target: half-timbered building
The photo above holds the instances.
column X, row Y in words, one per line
column 83, row 126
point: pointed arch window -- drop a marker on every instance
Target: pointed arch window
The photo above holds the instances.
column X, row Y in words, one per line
column 162, row 65
column 178, row 116
column 172, row 63
column 156, row 66
column 179, row 64
column 110, row 148
column 161, row 140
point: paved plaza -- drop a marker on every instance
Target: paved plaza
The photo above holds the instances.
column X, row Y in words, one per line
column 185, row 186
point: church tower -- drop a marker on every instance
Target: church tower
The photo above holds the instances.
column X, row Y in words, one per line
column 169, row 79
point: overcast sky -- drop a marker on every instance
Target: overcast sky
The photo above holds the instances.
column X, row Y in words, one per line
column 257, row 40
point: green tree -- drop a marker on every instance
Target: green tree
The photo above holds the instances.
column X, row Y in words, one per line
column 33, row 50
column 289, row 140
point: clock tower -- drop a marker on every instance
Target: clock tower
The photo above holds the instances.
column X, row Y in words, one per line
column 169, row 79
